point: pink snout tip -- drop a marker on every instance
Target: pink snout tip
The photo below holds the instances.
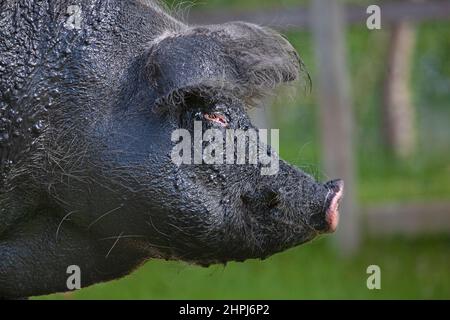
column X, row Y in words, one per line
column 332, row 213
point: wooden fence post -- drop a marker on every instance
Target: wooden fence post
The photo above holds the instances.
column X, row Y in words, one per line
column 336, row 116
column 398, row 112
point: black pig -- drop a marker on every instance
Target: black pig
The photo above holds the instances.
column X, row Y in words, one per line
column 89, row 98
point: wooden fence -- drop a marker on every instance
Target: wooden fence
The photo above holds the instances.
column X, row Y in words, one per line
column 300, row 17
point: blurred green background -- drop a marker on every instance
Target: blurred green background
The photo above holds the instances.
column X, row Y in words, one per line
column 415, row 266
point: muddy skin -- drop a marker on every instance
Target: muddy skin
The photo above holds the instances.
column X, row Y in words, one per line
column 86, row 117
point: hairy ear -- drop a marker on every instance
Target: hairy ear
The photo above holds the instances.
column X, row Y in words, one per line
column 185, row 63
column 263, row 59
column 238, row 59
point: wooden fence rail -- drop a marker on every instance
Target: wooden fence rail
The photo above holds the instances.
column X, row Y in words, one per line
column 300, row 17
column 408, row 218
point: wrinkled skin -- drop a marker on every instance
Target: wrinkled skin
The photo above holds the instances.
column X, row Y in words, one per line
column 85, row 141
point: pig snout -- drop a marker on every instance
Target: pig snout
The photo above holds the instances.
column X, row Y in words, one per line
column 328, row 220
column 297, row 203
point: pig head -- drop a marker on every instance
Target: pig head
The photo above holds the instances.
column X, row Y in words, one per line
column 88, row 113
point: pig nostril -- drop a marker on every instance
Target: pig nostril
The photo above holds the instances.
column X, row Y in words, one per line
column 335, row 185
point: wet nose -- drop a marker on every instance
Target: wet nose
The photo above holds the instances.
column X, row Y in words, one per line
column 328, row 220
column 332, row 213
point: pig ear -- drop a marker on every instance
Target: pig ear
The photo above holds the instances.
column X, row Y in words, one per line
column 235, row 59
column 185, row 64
column 263, row 59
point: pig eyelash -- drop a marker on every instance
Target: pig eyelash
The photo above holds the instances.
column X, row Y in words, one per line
column 217, row 118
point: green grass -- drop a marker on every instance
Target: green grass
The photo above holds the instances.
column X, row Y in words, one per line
column 410, row 269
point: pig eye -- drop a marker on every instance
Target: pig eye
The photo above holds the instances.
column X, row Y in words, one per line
column 217, row 118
